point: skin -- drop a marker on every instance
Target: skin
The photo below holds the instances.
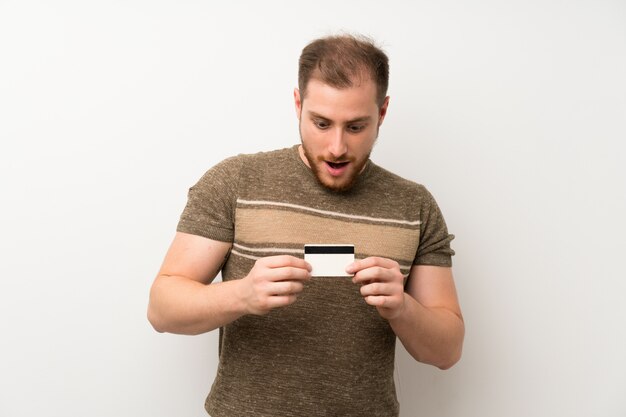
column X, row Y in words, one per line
column 338, row 128
column 183, row 302
column 342, row 125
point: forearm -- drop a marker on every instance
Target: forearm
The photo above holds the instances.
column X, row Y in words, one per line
column 184, row 306
column 431, row 335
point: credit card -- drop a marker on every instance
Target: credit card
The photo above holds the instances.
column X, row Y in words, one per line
column 329, row 260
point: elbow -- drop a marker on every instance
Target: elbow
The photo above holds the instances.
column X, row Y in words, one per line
column 453, row 355
column 450, row 352
column 154, row 314
column 447, row 365
column 441, row 359
column 154, row 320
column 450, row 361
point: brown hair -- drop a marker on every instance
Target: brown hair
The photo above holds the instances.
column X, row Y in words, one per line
column 341, row 60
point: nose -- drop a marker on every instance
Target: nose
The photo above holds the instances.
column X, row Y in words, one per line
column 338, row 146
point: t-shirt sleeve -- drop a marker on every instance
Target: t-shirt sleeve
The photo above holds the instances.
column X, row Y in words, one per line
column 210, row 209
column 434, row 245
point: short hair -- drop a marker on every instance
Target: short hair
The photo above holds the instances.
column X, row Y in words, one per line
column 342, row 60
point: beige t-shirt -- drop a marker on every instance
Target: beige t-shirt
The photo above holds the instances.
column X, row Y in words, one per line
column 329, row 353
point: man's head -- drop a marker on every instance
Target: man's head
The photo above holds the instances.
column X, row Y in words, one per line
column 343, row 61
column 341, row 102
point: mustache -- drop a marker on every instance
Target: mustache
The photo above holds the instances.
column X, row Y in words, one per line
column 336, row 160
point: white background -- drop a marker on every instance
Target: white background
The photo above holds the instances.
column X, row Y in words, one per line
column 512, row 113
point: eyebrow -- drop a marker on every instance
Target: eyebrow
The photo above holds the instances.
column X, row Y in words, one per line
column 357, row 120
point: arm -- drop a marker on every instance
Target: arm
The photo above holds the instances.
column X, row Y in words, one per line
column 184, row 300
column 430, row 326
column 180, row 295
column 427, row 317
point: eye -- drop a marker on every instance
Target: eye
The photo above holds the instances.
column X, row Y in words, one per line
column 321, row 124
column 355, row 128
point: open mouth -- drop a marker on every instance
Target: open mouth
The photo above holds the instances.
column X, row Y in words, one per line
column 337, row 165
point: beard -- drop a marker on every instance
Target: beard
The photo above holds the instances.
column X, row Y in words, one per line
column 336, row 184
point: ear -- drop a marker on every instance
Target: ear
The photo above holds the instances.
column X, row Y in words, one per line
column 298, row 102
column 383, row 111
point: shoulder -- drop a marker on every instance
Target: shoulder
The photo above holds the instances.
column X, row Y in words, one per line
column 233, row 166
column 395, row 184
column 265, row 156
column 258, row 160
column 268, row 159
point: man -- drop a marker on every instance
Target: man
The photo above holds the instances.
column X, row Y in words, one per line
column 290, row 344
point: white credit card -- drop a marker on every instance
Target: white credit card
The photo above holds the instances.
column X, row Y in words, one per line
column 329, row 260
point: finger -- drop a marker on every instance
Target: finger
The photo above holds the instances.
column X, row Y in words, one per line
column 375, row 273
column 285, row 260
column 376, row 300
column 370, row 262
column 288, row 273
column 379, row 288
column 285, row 288
column 280, row 301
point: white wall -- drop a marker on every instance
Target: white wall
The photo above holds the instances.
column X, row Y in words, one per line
column 512, row 113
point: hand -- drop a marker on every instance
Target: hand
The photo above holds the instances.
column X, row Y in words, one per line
column 274, row 281
column 382, row 284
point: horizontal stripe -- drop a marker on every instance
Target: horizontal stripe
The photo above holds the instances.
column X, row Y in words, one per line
column 269, row 249
column 325, row 249
column 405, row 269
column 292, row 228
column 243, row 255
column 327, row 213
column 282, row 251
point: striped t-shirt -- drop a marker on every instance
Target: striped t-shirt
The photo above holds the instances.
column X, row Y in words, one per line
column 329, row 353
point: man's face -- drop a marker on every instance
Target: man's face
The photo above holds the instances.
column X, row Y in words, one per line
column 338, row 128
